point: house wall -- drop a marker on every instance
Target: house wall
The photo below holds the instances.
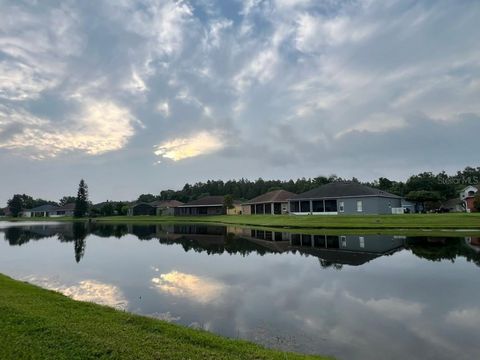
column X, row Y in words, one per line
column 142, row 209
column 246, row 210
column 268, row 207
column 370, row 205
column 170, row 211
column 467, row 192
column 200, row 210
column 469, row 202
column 236, row 210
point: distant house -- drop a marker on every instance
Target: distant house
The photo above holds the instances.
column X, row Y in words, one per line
column 344, row 198
column 208, row 205
column 142, row 208
column 65, row 210
column 236, row 209
column 41, row 211
column 469, row 191
column 452, row 205
column 273, row 202
column 161, row 207
column 166, row 207
column 467, row 196
column 5, row 212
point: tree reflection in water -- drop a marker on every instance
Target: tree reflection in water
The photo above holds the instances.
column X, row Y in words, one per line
column 332, row 251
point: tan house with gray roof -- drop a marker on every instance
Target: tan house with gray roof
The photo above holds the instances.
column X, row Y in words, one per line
column 271, row 203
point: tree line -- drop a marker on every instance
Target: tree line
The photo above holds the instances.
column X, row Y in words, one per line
column 427, row 187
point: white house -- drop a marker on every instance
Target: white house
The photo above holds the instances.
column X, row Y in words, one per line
column 469, row 191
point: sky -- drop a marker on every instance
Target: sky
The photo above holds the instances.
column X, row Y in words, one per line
column 139, row 96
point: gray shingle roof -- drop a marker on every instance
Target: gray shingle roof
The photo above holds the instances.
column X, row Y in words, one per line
column 44, row 208
column 272, row 196
column 342, row 189
column 166, row 203
column 206, row 201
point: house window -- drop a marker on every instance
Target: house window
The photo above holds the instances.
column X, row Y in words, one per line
column 362, row 241
column 304, row 206
column 330, row 205
column 317, row 206
column 341, row 206
column 343, row 241
column 359, row 205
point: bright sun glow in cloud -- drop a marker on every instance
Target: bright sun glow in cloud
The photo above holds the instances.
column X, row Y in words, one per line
column 184, row 148
column 189, row 286
column 101, row 127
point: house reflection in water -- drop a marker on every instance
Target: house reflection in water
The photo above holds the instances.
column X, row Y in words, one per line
column 340, row 249
column 473, row 243
column 331, row 250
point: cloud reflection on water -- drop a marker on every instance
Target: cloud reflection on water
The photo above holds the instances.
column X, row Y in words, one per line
column 193, row 287
column 85, row 290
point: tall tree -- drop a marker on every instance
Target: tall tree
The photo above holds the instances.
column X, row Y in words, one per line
column 15, row 205
column 107, row 209
column 67, row 200
column 430, row 198
column 147, row 198
column 81, row 202
column 228, row 201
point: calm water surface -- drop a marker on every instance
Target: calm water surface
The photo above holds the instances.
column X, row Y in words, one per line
column 354, row 297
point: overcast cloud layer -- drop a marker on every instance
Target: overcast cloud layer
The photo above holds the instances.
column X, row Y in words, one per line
column 142, row 95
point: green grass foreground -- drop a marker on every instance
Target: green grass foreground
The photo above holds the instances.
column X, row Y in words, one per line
column 407, row 221
column 40, row 324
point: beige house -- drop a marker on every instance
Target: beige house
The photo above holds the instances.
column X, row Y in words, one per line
column 274, row 203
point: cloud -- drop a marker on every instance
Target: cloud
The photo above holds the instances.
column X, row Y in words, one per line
column 100, row 127
column 35, row 44
column 292, row 81
column 469, row 318
column 377, row 123
column 396, row 309
column 192, row 287
column 163, row 108
column 178, row 149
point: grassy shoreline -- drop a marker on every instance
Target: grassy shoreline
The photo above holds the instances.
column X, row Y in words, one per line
column 414, row 224
column 40, row 324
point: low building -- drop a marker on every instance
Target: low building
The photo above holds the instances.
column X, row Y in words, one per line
column 65, row 210
column 469, row 191
column 470, row 204
column 347, row 198
column 273, row 202
column 166, row 207
column 142, row 208
column 467, row 196
column 41, row 211
column 452, row 205
column 236, row 209
column 208, row 205
column 50, row 211
column 160, row 207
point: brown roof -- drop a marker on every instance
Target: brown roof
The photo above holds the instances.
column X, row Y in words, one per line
column 166, row 203
column 206, row 201
column 272, row 196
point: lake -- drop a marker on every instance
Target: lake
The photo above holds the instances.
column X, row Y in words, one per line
column 350, row 296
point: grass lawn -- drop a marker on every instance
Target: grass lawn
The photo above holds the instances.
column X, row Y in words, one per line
column 42, row 324
column 408, row 224
column 407, row 221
